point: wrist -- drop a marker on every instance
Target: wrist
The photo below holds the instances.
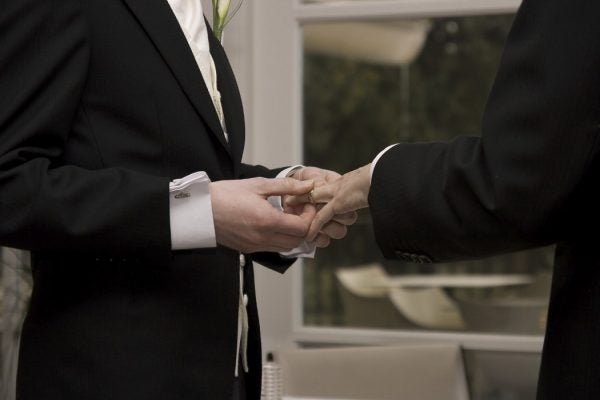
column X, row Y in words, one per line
column 364, row 182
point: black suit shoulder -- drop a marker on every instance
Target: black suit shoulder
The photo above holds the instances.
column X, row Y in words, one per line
column 519, row 184
column 531, row 179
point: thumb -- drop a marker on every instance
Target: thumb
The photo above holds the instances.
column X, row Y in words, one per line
column 285, row 186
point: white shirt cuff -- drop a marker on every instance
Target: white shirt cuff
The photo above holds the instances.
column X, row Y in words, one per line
column 381, row 153
column 192, row 224
column 306, row 249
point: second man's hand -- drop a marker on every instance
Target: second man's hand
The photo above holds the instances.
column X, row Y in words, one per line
column 246, row 221
column 336, row 227
column 340, row 197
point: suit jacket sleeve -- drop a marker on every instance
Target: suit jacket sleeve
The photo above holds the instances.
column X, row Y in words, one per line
column 254, row 171
column 522, row 183
column 45, row 205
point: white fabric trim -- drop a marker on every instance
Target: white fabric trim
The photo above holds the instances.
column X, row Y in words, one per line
column 381, row 153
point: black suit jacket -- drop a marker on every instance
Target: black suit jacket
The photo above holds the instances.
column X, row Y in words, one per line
column 532, row 179
column 101, row 105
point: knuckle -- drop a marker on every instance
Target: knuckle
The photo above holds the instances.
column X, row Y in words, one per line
column 320, row 182
column 333, row 176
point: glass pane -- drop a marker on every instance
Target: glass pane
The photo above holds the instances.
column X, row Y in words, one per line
column 370, row 84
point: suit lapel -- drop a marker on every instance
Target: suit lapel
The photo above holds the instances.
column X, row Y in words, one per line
column 230, row 97
column 162, row 27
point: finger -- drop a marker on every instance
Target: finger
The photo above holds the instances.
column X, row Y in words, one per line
column 322, row 241
column 334, row 230
column 297, row 200
column 284, row 186
column 308, row 213
column 348, row 218
column 301, row 209
column 320, row 182
column 290, row 224
column 323, row 216
column 323, row 194
column 318, row 174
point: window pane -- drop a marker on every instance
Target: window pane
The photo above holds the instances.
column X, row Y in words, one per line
column 370, row 84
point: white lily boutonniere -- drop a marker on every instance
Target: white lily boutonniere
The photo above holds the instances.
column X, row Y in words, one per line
column 221, row 15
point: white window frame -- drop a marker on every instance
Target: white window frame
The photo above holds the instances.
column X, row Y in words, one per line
column 265, row 45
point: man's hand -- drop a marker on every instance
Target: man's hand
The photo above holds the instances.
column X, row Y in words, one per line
column 336, row 228
column 345, row 195
column 318, row 175
column 246, row 221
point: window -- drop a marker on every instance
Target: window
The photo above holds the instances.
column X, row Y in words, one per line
column 369, row 83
